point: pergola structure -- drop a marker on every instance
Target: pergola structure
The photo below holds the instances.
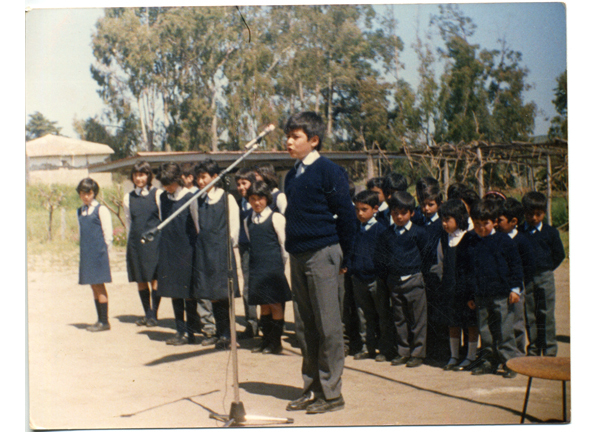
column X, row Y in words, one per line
column 551, row 154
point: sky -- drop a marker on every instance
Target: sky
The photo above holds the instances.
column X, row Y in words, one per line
column 58, row 53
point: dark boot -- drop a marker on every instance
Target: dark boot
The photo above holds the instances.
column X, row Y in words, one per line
column 266, row 324
column 274, row 337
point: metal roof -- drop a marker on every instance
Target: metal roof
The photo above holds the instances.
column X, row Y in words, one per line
column 55, row 145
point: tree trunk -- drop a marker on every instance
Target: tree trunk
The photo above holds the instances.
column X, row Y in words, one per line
column 50, row 211
column 329, row 106
column 213, row 125
column 480, row 172
column 317, row 97
column 549, row 189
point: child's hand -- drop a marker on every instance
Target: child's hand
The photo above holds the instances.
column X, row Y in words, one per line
column 343, row 270
column 471, row 304
column 513, row 298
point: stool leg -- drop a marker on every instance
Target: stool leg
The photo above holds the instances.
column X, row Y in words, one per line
column 526, row 400
column 564, row 401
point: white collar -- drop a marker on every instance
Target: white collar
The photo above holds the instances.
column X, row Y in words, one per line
column 382, row 207
column 537, row 227
column 513, row 233
column 455, row 237
column 142, row 191
column 490, row 234
column 370, row 223
column 310, row 158
column 263, row 215
column 405, row 227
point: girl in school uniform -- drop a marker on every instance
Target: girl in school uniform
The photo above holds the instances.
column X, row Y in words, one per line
column 451, row 262
column 176, row 252
column 268, row 286
column 210, row 279
column 142, row 213
column 267, row 174
column 95, row 241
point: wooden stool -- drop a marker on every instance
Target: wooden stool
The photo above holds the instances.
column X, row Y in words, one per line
column 551, row 368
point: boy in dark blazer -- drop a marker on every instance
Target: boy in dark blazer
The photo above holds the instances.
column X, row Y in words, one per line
column 320, row 226
column 540, row 292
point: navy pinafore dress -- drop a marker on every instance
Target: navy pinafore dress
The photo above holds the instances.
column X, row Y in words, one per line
column 142, row 258
column 176, row 250
column 94, row 267
column 268, row 284
column 210, row 262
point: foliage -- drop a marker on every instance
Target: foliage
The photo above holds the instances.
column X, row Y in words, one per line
column 51, row 198
column 39, row 126
column 559, row 124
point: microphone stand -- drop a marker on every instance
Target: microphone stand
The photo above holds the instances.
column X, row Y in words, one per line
column 237, row 414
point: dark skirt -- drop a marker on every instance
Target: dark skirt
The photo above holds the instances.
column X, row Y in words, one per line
column 142, row 258
column 94, row 267
column 268, row 284
column 176, row 250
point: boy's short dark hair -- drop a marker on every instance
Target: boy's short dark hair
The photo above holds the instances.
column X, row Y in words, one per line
column 207, row 166
column 470, row 197
column 170, row 172
column 455, row 190
column 267, row 172
column 402, row 200
column 485, row 210
column 142, row 167
column 431, row 192
column 375, row 182
column 425, row 182
column 534, row 201
column 368, row 197
column 309, row 122
column 245, row 174
column 394, row 182
column 261, row 189
column 456, row 209
column 88, row 184
column 187, row 169
column 512, row 209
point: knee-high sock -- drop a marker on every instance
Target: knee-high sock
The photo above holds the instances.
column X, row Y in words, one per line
column 145, row 298
column 97, row 303
column 179, row 311
column 155, row 303
column 221, row 313
column 103, row 307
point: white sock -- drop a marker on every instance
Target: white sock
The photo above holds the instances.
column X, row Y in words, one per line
column 454, row 347
column 472, row 351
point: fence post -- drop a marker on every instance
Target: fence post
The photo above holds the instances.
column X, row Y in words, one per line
column 480, row 172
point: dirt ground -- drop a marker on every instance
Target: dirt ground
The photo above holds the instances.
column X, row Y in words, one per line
column 129, row 378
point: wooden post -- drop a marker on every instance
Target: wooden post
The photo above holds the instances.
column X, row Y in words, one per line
column 370, row 167
column 446, row 178
column 480, row 172
column 549, row 189
column 63, row 223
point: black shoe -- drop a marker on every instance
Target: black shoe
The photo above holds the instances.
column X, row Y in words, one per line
column 400, row 360
column 141, row 322
column 301, row 403
column 452, row 364
column 223, row 344
column 210, row 341
column 465, row 365
column 151, row 322
column 178, row 339
column 362, row 355
column 484, row 369
column 98, row 327
column 380, row 358
column 414, row 362
column 322, row 405
column 272, row 349
column 508, row 372
column 259, row 348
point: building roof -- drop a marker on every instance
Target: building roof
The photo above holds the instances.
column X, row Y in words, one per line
column 55, row 145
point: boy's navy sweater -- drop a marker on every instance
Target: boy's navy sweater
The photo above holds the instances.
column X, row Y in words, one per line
column 314, row 198
column 527, row 255
column 547, row 247
column 495, row 265
column 360, row 263
column 384, row 217
column 401, row 255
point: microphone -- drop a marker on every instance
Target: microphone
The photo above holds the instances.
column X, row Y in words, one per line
column 256, row 140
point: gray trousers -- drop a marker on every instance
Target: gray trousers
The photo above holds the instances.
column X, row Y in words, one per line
column 206, row 316
column 317, row 295
column 496, row 328
column 409, row 307
column 250, row 313
column 373, row 303
column 520, row 330
column 540, row 299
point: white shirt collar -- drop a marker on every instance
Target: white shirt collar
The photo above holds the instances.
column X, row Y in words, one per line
column 383, row 207
column 370, row 223
column 180, row 192
column 490, row 234
column 432, row 218
column 141, row 191
column 455, row 237
column 263, row 215
column 311, row 157
column 537, row 227
column 513, row 233
column 405, row 227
